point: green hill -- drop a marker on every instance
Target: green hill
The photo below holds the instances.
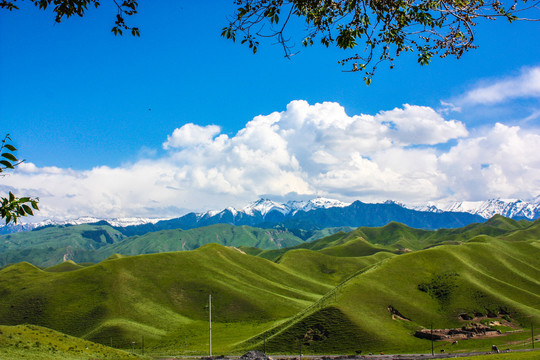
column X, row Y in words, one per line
column 180, row 240
column 343, row 293
column 433, row 286
column 39, row 343
column 340, row 244
column 93, row 243
column 69, row 265
column 160, row 296
column 54, row 244
column 397, row 236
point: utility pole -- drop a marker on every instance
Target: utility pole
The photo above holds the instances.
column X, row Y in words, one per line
column 432, row 352
column 210, row 320
column 532, row 335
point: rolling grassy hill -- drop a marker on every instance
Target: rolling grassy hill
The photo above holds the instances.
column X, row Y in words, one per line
column 35, row 342
column 340, row 244
column 484, row 277
column 399, row 238
column 162, row 296
column 344, row 293
column 96, row 242
column 180, row 240
column 51, row 245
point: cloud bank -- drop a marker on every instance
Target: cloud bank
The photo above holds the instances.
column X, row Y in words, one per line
column 410, row 154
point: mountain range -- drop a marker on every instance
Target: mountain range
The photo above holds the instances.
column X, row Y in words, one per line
column 307, row 215
column 511, row 208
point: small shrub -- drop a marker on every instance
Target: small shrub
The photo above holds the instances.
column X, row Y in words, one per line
column 440, row 286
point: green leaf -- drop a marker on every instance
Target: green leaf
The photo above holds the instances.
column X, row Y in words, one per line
column 9, row 156
column 27, row 209
column 7, row 164
column 11, row 147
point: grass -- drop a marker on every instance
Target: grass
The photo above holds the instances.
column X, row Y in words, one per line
column 532, row 355
column 47, row 246
column 39, row 343
column 93, row 243
column 157, row 295
column 480, row 282
column 178, row 240
column 332, row 295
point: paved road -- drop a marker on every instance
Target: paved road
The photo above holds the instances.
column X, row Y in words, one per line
column 358, row 357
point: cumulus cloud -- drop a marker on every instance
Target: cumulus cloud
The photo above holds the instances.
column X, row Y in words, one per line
column 525, row 85
column 190, row 135
column 504, row 161
column 306, row 150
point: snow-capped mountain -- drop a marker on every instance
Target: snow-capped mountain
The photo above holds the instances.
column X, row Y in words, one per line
column 511, row 208
column 118, row 222
column 265, row 206
column 321, row 212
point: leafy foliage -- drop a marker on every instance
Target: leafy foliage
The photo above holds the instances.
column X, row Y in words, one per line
column 70, row 8
column 385, row 28
column 11, row 207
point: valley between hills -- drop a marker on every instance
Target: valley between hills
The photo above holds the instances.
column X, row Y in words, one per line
column 335, row 290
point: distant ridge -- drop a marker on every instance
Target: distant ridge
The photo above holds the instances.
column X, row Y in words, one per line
column 313, row 215
column 511, row 208
column 296, row 214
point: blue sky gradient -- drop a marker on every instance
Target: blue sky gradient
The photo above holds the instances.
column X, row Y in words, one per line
column 75, row 97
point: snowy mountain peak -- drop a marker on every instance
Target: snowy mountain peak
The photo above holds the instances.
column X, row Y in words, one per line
column 117, row 222
column 392, row 202
column 511, row 208
column 264, row 206
column 326, row 203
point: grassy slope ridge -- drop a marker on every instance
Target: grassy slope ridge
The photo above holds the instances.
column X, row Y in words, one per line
column 160, row 294
column 340, row 244
column 293, row 300
column 177, row 240
column 47, row 246
column 87, row 236
column 396, row 237
column 94, row 242
column 483, row 276
column 36, row 342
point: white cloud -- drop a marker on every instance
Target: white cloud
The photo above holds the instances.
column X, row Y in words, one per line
column 190, row 135
column 526, row 85
column 420, row 125
column 502, row 162
column 305, row 150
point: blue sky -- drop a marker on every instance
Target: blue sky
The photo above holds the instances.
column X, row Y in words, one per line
column 95, row 116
